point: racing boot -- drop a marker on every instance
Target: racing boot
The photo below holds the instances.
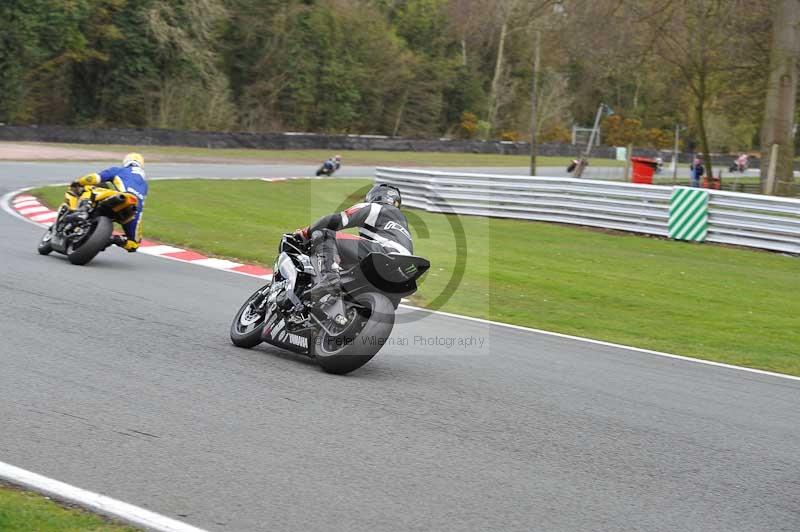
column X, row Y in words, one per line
column 329, row 280
column 117, row 240
column 125, row 243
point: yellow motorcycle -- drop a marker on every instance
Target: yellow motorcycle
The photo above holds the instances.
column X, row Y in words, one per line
column 85, row 222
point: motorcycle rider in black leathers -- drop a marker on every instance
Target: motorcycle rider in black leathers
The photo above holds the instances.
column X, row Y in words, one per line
column 381, row 226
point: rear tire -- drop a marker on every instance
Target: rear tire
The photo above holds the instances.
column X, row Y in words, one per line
column 359, row 349
column 248, row 336
column 93, row 244
column 44, row 244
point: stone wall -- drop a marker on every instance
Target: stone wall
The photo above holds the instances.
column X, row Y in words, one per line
column 305, row 141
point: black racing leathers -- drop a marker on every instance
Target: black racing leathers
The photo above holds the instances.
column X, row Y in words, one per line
column 379, row 223
column 382, row 229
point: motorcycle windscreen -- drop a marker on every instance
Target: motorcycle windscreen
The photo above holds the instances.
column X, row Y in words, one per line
column 288, row 270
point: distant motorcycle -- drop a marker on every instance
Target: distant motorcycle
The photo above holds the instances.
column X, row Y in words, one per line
column 740, row 164
column 342, row 331
column 85, row 222
column 330, row 166
column 576, row 166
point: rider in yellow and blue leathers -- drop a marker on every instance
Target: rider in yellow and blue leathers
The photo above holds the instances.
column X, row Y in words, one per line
column 129, row 177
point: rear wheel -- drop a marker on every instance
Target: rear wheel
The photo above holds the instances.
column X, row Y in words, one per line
column 44, row 244
column 91, row 245
column 249, row 322
column 369, row 325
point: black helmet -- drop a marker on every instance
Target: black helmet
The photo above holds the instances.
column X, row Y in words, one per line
column 383, row 193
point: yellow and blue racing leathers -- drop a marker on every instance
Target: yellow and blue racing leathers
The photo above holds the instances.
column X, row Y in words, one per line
column 130, row 179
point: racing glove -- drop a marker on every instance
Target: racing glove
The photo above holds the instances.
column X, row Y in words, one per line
column 301, row 234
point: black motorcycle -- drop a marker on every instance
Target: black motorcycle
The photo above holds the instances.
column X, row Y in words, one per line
column 341, row 330
column 327, row 169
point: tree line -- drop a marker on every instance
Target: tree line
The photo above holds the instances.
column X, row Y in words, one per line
column 420, row 68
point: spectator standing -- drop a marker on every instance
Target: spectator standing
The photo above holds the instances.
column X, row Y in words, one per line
column 696, row 171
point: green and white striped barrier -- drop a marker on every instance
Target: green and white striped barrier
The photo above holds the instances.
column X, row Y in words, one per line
column 688, row 214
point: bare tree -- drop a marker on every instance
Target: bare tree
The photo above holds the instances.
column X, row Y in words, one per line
column 523, row 14
column 687, row 35
column 467, row 19
column 504, row 10
column 778, row 127
column 553, row 100
column 700, row 39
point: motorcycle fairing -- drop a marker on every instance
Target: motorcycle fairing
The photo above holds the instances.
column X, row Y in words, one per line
column 389, row 273
column 276, row 333
column 122, row 205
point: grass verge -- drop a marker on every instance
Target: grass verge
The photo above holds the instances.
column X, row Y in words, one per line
column 719, row 303
column 369, row 158
column 23, row 511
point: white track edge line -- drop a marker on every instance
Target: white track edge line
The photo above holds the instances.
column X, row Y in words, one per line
column 4, row 203
column 604, row 343
column 100, row 503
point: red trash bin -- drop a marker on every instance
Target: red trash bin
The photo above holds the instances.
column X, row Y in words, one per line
column 643, row 170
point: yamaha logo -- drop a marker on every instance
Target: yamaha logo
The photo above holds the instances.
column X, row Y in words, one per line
column 299, row 341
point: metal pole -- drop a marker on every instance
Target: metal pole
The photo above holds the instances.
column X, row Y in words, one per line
column 628, row 155
column 584, row 161
column 675, row 156
column 594, row 129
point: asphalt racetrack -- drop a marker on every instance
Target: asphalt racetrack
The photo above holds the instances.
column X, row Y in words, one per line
column 119, row 378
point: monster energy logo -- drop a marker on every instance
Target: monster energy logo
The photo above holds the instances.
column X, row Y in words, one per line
column 411, row 269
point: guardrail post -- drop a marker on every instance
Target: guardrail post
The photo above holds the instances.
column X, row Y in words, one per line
column 627, row 176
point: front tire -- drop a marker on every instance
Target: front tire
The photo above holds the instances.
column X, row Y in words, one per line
column 340, row 356
column 93, row 244
column 248, row 324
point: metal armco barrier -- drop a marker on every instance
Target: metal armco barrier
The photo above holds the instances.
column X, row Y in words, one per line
column 754, row 221
column 733, row 218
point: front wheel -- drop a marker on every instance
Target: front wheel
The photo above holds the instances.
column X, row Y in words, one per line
column 94, row 243
column 249, row 322
column 370, row 325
